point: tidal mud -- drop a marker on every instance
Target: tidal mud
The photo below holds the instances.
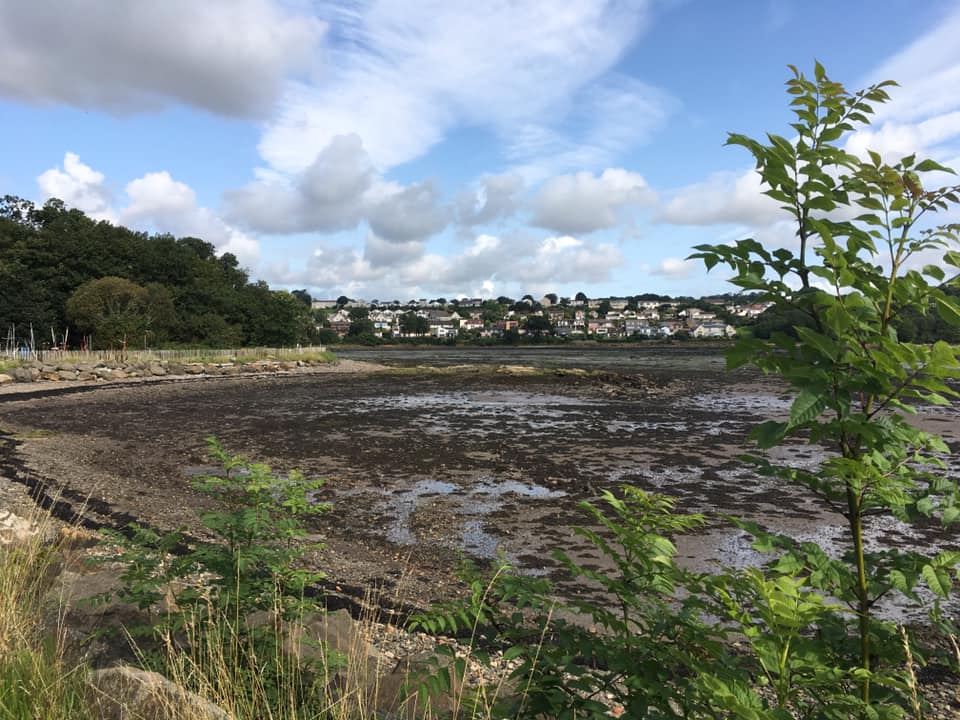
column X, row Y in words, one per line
column 425, row 466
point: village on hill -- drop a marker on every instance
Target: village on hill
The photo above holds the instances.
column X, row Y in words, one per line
column 638, row 317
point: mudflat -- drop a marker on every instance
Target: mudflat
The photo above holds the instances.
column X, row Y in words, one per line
column 424, row 465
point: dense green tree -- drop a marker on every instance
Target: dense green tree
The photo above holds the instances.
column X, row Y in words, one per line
column 538, row 325
column 303, row 296
column 195, row 297
column 413, row 324
column 111, row 309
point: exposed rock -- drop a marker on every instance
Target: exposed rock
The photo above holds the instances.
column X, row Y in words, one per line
column 67, row 374
column 26, row 374
column 15, row 529
column 5, row 379
column 157, row 370
column 126, row 692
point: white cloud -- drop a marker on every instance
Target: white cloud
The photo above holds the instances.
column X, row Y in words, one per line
column 604, row 119
column 923, row 114
column 724, row 198
column 400, row 74
column 329, row 195
column 160, row 203
column 410, row 213
column 338, row 191
column 496, row 198
column 226, row 56
column 79, row 186
column 674, row 268
column 927, row 70
column 518, row 261
column 583, row 203
column 383, row 253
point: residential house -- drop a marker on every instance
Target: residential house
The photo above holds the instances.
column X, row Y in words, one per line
column 340, row 322
column 713, row 330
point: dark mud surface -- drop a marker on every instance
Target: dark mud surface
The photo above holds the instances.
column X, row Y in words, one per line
column 422, row 465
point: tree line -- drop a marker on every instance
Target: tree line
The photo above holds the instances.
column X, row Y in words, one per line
column 71, row 277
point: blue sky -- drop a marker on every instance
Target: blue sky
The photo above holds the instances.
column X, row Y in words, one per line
column 424, row 149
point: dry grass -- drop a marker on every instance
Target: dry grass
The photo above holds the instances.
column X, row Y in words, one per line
column 286, row 675
column 38, row 677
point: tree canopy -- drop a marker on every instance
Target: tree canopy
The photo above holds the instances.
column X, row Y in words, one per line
column 60, row 269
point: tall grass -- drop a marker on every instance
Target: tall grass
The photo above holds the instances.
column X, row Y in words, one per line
column 38, row 678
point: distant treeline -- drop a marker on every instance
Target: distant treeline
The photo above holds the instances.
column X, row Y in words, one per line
column 913, row 324
column 61, row 270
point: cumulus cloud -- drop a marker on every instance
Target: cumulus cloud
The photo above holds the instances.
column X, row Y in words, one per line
column 403, row 74
column 383, row 253
column 226, row 56
column 329, row 195
column 583, row 202
column 79, row 186
column 674, row 268
column 156, row 201
column 519, row 260
column 340, row 189
column 410, row 213
column 724, row 198
column 497, row 197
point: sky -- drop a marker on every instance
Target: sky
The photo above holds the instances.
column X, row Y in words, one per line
column 420, row 149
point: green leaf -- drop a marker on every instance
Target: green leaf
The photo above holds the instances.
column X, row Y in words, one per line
column 929, row 165
column 938, row 580
column 948, row 310
column 825, row 345
column 769, row 433
column 807, row 407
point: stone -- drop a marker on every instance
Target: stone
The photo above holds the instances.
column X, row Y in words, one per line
column 67, row 374
column 15, row 529
column 50, row 376
column 124, row 692
column 6, row 379
column 25, row 374
column 157, row 370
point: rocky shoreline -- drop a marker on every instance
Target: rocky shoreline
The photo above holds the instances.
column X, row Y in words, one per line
column 39, row 371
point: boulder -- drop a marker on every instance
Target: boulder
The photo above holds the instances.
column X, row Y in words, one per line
column 67, row 374
column 124, row 692
column 157, row 370
column 6, row 379
column 26, row 374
